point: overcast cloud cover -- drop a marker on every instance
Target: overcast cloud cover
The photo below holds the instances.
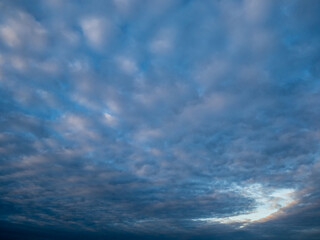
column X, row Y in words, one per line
column 159, row 119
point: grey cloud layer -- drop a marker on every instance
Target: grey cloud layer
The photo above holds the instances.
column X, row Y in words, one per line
column 141, row 116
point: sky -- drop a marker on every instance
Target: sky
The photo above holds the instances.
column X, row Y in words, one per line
column 160, row 119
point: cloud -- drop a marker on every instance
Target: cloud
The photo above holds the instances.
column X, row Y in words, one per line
column 129, row 119
column 22, row 30
column 128, row 66
column 95, row 30
column 163, row 41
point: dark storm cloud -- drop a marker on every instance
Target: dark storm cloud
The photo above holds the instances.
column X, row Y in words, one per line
column 139, row 119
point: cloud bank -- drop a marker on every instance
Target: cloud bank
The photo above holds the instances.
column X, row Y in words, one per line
column 159, row 119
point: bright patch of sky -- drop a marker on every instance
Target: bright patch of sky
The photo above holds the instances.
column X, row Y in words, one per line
column 268, row 202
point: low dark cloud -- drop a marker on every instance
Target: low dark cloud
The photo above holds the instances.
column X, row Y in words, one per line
column 159, row 119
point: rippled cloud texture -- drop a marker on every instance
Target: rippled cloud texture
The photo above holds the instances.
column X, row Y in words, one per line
column 160, row 119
